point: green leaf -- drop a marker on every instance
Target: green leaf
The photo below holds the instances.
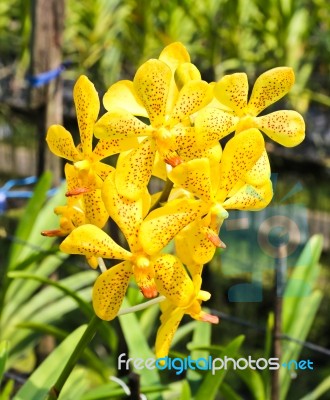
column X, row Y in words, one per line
column 213, row 379
column 229, row 393
column 113, row 390
column 7, row 391
column 4, row 349
column 254, row 382
column 201, row 337
column 300, row 305
column 137, row 345
column 185, row 391
column 301, row 282
column 76, row 385
column 322, row 388
column 20, row 291
column 45, row 376
column 291, row 350
column 183, row 331
column 29, row 217
column 56, row 289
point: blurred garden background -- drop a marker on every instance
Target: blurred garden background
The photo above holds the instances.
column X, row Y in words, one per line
column 45, row 296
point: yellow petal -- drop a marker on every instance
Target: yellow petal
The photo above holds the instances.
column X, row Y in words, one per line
column 192, row 97
column 151, row 83
column 172, row 280
column 122, row 95
column 72, row 182
column 260, row 172
column 162, row 224
column 95, row 210
column 134, row 170
column 106, row 148
column 212, row 124
column 194, row 176
column 270, row 86
column 102, row 169
column 109, row 290
column 284, row 127
column 60, row 143
column 192, row 245
column 239, row 156
column 159, row 167
column 174, row 54
column 167, row 330
column 119, row 124
column 186, row 143
column 251, row 197
column 87, row 105
column 232, row 91
column 187, row 72
column 89, row 240
column 127, row 214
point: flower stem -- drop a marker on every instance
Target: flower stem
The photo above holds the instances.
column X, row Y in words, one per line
column 164, row 195
column 83, row 342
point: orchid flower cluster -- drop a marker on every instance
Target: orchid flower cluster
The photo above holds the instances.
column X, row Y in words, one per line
column 166, row 123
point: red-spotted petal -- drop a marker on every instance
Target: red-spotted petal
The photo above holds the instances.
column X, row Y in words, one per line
column 106, row 148
column 119, row 124
column 167, row 329
column 192, row 97
column 162, row 224
column 134, row 170
column 87, row 105
column 271, row 86
column 239, row 156
column 128, row 214
column 109, row 290
column 251, row 197
column 60, row 143
column 232, row 91
column 151, row 83
column 192, row 245
column 194, row 176
column 172, row 280
column 95, row 210
column 284, row 127
column 212, row 124
column 89, row 240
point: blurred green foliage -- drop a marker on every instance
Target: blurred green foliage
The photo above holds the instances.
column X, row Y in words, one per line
column 109, row 39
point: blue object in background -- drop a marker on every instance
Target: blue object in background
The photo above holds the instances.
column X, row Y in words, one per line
column 6, row 192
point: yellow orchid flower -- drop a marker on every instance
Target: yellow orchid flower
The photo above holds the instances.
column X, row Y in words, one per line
column 90, row 171
column 286, row 127
column 173, row 314
column 241, row 181
column 163, row 273
column 73, row 213
column 167, row 91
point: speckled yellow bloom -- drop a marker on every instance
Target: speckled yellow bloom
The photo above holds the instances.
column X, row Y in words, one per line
column 73, row 213
column 233, row 185
column 286, row 127
column 172, row 316
column 163, row 273
column 90, row 171
column 168, row 103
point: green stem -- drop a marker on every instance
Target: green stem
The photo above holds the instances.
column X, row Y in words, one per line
column 83, row 342
column 164, row 195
